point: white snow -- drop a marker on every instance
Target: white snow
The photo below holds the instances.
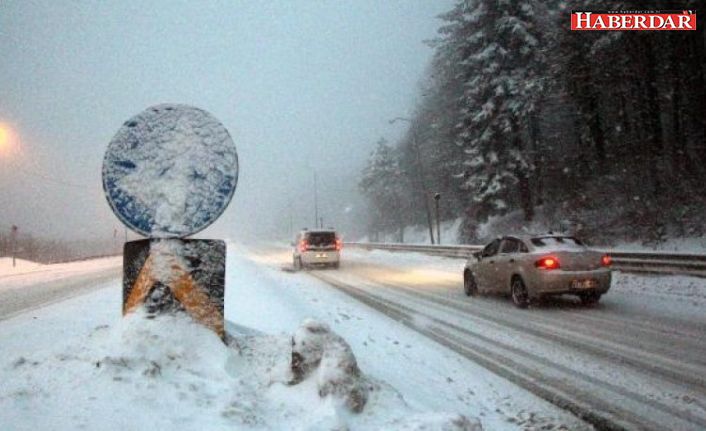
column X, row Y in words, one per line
column 420, row 234
column 20, row 266
column 28, row 273
column 695, row 245
column 78, row 364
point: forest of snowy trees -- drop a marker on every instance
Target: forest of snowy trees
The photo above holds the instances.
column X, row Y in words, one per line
column 518, row 114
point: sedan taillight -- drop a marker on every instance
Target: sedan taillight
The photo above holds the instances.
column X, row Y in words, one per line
column 606, row 260
column 548, row 262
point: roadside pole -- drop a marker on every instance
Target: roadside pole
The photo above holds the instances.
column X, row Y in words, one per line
column 13, row 239
column 437, row 198
column 316, row 200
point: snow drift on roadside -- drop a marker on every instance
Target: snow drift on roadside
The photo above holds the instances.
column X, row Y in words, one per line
column 171, row 373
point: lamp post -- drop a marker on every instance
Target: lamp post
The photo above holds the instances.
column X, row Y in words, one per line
column 316, row 201
column 437, row 198
column 421, row 178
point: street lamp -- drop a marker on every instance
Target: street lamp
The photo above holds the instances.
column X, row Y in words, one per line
column 421, row 177
column 316, row 201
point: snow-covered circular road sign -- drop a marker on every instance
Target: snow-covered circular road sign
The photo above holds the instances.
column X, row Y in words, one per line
column 170, row 171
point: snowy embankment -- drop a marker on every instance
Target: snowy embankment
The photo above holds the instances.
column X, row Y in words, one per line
column 78, row 365
column 514, row 223
column 420, row 234
column 26, row 273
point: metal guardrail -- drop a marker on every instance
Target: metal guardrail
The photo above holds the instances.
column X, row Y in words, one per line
column 627, row 261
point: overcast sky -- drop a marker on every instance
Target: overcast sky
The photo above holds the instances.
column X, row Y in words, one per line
column 302, row 86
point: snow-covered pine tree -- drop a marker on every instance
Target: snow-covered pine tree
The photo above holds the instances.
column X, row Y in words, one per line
column 502, row 70
column 382, row 182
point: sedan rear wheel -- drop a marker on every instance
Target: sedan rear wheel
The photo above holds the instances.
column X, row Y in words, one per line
column 520, row 296
column 470, row 287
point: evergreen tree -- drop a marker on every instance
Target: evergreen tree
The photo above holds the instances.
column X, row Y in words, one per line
column 382, row 183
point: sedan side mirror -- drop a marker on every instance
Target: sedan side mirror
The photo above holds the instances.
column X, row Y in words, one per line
column 478, row 255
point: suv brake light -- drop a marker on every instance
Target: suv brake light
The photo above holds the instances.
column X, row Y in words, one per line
column 303, row 245
column 339, row 244
column 548, row 262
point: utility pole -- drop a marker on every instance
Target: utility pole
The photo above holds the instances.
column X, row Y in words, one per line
column 321, row 222
column 437, row 198
column 316, row 201
column 13, row 237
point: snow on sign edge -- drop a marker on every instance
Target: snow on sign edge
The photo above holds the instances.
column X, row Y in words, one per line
column 184, row 142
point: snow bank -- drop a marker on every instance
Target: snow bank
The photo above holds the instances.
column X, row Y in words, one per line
column 695, row 245
column 316, row 350
column 168, row 372
column 21, row 266
column 28, row 273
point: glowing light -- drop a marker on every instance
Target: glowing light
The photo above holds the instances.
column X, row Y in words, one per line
column 547, row 263
column 6, row 139
column 4, row 136
column 606, row 260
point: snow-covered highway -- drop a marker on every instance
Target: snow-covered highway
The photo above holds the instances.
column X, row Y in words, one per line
column 636, row 361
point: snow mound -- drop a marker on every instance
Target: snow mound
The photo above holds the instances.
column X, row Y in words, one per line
column 318, row 351
column 169, row 372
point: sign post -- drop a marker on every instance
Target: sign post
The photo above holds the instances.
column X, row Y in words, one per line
column 168, row 173
column 13, row 238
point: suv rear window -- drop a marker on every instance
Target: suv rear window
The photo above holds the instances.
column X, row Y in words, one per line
column 565, row 242
column 319, row 239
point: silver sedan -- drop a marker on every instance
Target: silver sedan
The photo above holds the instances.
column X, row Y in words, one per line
column 531, row 267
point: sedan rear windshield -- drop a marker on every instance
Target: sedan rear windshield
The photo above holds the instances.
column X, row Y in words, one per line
column 319, row 239
column 563, row 242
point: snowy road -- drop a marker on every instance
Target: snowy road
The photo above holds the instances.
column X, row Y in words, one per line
column 41, row 285
column 636, row 361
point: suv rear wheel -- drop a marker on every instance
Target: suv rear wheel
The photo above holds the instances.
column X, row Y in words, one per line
column 297, row 263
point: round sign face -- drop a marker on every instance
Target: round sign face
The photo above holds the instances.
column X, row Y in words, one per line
column 170, row 171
